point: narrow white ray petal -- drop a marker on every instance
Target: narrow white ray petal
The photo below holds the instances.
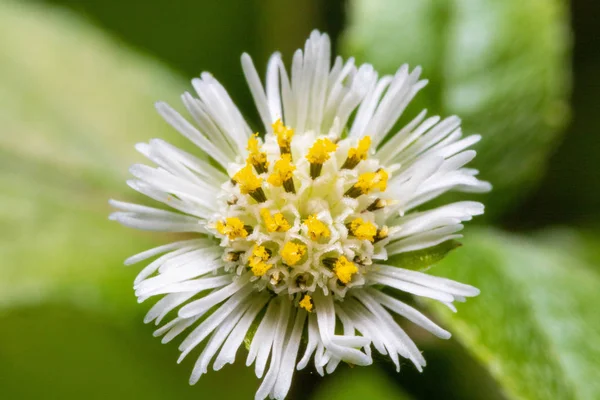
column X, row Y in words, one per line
column 286, row 371
column 176, row 329
column 425, row 239
column 167, row 304
column 264, row 340
column 222, row 110
column 207, row 126
column 399, row 335
column 272, row 87
column 159, row 222
column 215, row 342
column 214, row 320
column 409, row 313
column 377, row 332
column 313, row 339
column 164, row 248
column 409, row 287
column 326, row 321
column 264, row 329
column 258, row 93
column 155, row 265
column 268, row 384
column 427, row 220
column 189, row 285
column 405, row 136
column 239, row 333
column 204, row 304
column 186, row 129
column 434, row 282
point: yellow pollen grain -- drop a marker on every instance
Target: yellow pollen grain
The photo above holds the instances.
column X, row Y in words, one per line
column 319, row 152
column 283, row 133
column 276, row 222
column 233, row 228
column 369, row 181
column 361, row 151
column 292, row 253
column 247, row 179
column 344, row 270
column 256, row 157
column 363, row 230
column 306, row 303
column 282, row 170
column 257, row 261
column 316, row 228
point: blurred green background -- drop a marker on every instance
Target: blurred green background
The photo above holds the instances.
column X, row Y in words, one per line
column 78, row 80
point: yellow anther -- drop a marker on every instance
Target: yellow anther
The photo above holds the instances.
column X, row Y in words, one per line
column 292, row 253
column 372, row 180
column 368, row 182
column 319, row 152
column 344, row 270
column 257, row 260
column 274, row 223
column 306, row 303
column 284, row 136
column 358, row 153
column 233, row 228
column 363, row 230
column 316, row 228
column 256, row 157
column 247, row 179
column 250, row 183
column 283, row 173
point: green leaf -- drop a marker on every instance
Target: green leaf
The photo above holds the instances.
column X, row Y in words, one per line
column 58, row 352
column 358, row 383
column 503, row 67
column 535, row 325
column 423, row 259
column 73, row 103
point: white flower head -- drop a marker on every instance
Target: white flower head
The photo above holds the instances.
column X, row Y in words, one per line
column 292, row 230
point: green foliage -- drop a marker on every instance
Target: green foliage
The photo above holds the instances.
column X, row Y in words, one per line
column 535, row 326
column 73, row 105
column 423, row 259
column 501, row 66
column 359, row 383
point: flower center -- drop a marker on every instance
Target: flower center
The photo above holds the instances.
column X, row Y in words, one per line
column 303, row 214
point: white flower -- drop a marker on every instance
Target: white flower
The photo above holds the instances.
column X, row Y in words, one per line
column 291, row 233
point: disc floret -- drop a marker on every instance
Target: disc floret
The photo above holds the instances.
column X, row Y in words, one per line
column 305, row 238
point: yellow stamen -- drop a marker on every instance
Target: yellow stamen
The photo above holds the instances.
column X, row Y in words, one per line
column 274, row 223
column 257, row 260
column 283, row 173
column 363, row 230
column 316, row 228
column 233, row 228
column 368, row 182
column 256, row 157
column 250, row 183
column 292, row 253
column 344, row 270
column 319, row 152
column 284, row 136
column 306, row 303
column 357, row 154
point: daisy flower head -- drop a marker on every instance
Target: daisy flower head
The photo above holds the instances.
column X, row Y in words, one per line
column 290, row 228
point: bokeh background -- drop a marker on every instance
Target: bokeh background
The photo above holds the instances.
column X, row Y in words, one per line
column 78, row 79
